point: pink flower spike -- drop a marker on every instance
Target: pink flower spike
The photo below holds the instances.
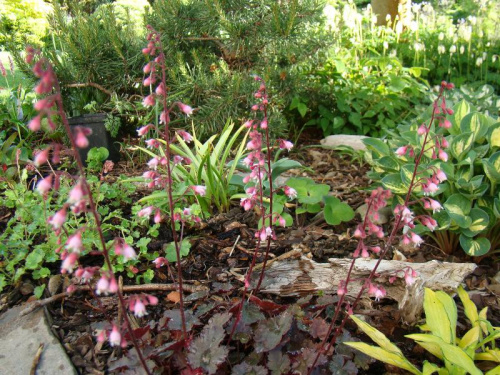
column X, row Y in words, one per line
column 185, row 136
column 380, row 293
column 153, row 143
column 81, row 140
column 446, row 124
column 422, row 129
column 282, row 221
column 290, row 192
column 147, row 67
column 409, row 278
column 139, row 309
column 342, row 290
column 416, row 239
column 143, row 131
column 44, row 185
column 152, row 299
column 246, row 203
column 76, row 194
column 263, row 124
column 401, row 151
column 101, row 337
column 441, row 176
column 35, row 123
column 443, row 155
column 157, row 217
column 115, row 338
column 285, row 145
column 74, row 242
column 153, row 163
column 145, row 212
column 160, row 90
column 128, row 252
column 102, row 286
column 149, row 101
column 160, row 261
column 435, row 205
column 187, row 110
column 199, row 189
column 444, row 143
column 58, row 219
column 113, row 286
column 42, row 157
column 69, row 263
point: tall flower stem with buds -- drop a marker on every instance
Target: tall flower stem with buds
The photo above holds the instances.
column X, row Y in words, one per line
column 79, row 196
column 404, row 219
column 260, row 167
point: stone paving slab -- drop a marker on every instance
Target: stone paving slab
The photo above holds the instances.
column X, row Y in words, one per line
column 19, row 343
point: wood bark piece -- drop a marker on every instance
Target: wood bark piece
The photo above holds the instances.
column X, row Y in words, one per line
column 304, row 276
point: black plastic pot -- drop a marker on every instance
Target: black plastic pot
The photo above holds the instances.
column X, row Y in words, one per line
column 100, row 137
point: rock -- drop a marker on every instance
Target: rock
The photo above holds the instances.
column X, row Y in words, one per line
column 21, row 338
column 354, row 141
column 383, row 214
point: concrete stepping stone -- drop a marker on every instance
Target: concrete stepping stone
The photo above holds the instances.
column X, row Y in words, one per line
column 21, row 339
column 354, row 141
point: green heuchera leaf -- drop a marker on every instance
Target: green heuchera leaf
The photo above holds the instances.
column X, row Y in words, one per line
column 394, row 183
column 336, row 211
column 461, row 144
column 475, row 247
column 473, row 189
column 388, row 163
column 476, row 123
column 480, row 221
column 458, row 208
column 494, row 135
column 170, row 250
column 308, row 192
column 34, row 259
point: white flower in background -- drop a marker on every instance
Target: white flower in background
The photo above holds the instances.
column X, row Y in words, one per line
column 413, row 26
column 488, row 44
column 453, row 49
column 472, row 20
column 485, row 56
column 441, row 49
column 479, row 61
column 386, row 45
column 419, row 46
column 494, row 58
column 462, row 50
column 399, row 28
column 388, row 18
column 393, row 53
column 441, row 36
column 480, row 33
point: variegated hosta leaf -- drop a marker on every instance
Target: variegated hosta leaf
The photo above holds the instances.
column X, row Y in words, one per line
column 461, row 144
column 480, row 221
column 475, row 246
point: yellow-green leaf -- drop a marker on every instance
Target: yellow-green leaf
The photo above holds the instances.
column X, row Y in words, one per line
column 451, row 310
column 430, row 368
column 489, row 355
column 384, row 356
column 483, row 316
column 494, row 371
column 470, row 338
column 431, row 347
column 376, row 336
column 470, row 308
column 436, row 317
column 451, row 353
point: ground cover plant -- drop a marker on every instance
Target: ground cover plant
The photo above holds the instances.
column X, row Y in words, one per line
column 165, row 269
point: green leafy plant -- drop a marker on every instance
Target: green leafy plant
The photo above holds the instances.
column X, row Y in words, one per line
column 209, row 166
column 458, row 354
column 471, row 194
column 96, row 157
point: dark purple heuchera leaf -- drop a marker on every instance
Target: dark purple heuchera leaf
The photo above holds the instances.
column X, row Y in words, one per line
column 319, row 328
column 246, row 369
column 269, row 332
column 278, row 362
column 205, row 351
column 174, row 320
column 309, row 355
column 251, row 314
column 268, row 306
column 340, row 365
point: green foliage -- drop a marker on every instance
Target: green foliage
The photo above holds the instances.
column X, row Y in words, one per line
column 209, row 167
column 471, row 193
column 95, row 158
column 27, row 245
column 363, row 96
column 23, row 22
column 458, row 354
column 112, row 125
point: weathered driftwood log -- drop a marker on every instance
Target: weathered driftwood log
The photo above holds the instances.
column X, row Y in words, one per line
column 304, row 276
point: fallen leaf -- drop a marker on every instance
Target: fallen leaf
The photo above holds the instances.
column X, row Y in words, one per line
column 174, row 297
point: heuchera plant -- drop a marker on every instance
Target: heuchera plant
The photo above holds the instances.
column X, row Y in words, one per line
column 80, row 201
column 426, row 180
column 469, row 173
